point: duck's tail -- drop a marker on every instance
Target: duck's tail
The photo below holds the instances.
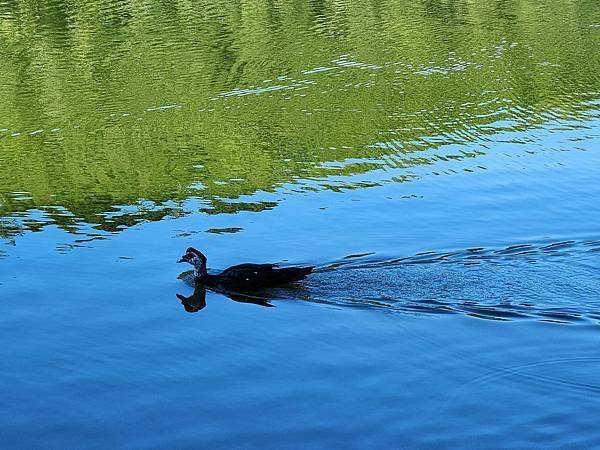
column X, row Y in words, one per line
column 291, row 274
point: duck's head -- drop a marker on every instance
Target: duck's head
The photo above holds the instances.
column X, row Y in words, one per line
column 196, row 259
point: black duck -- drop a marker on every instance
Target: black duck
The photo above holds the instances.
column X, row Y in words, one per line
column 243, row 277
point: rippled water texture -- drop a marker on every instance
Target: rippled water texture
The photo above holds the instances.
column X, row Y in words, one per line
column 436, row 160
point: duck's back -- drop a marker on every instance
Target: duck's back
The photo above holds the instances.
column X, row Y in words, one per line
column 255, row 276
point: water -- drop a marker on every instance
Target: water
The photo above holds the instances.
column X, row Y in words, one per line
column 437, row 161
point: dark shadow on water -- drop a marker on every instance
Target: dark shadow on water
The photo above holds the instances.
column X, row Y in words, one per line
column 194, row 302
column 197, row 301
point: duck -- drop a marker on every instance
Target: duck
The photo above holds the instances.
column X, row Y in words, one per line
column 243, row 277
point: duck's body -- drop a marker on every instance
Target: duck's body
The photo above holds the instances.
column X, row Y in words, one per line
column 248, row 277
column 243, row 277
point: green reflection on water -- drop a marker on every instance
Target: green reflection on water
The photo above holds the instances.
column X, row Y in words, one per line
column 108, row 103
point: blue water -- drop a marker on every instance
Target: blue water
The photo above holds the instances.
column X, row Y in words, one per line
column 489, row 339
column 438, row 162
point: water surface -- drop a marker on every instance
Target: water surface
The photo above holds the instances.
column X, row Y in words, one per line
column 437, row 161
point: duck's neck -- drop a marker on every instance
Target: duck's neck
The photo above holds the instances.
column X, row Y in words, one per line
column 199, row 268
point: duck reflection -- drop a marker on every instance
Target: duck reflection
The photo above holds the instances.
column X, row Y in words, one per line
column 194, row 302
column 197, row 301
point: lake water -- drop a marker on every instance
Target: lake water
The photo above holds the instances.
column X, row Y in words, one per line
column 438, row 161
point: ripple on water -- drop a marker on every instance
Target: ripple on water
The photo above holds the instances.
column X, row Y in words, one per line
column 546, row 282
column 551, row 282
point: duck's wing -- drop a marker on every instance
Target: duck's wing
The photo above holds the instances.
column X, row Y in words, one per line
column 249, row 268
column 255, row 276
column 246, row 274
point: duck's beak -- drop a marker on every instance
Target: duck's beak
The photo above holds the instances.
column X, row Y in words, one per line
column 181, row 260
